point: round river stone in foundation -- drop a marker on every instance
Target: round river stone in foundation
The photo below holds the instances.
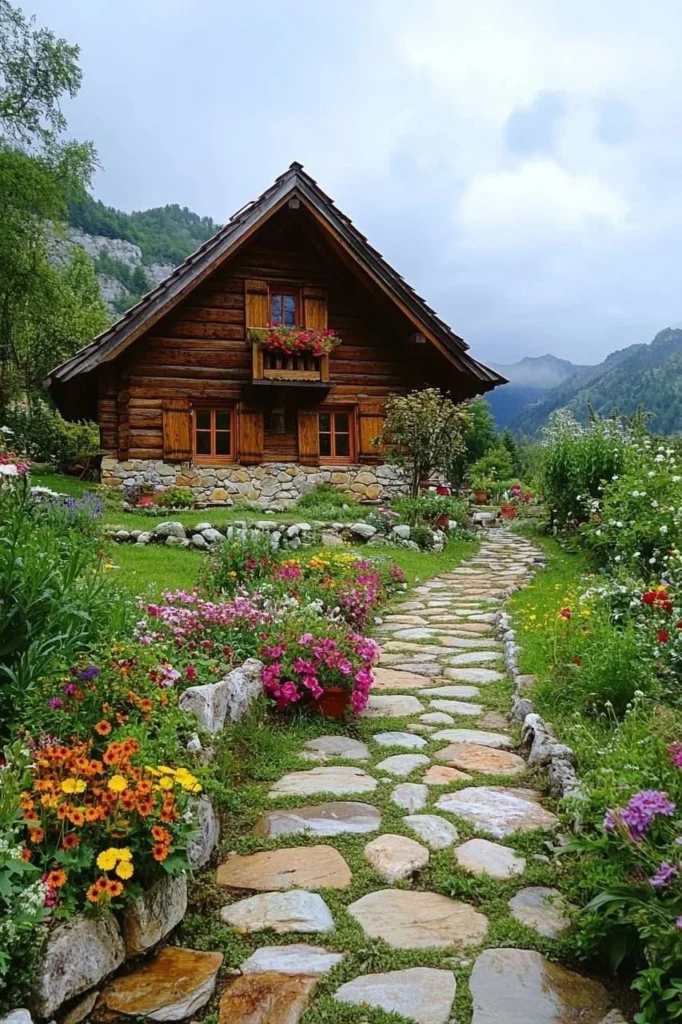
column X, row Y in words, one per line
column 418, row 920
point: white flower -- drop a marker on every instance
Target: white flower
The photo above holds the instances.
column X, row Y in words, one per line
column 651, row 473
column 676, row 479
column 658, row 458
column 8, row 469
column 663, row 529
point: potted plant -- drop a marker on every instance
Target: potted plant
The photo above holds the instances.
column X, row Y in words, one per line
column 509, row 508
column 327, row 671
column 480, row 489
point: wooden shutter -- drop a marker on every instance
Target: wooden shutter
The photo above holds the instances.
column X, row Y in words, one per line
column 370, row 425
column 315, row 318
column 308, row 437
column 177, row 430
column 250, row 434
column 257, row 312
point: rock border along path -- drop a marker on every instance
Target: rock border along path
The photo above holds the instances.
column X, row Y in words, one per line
column 462, row 831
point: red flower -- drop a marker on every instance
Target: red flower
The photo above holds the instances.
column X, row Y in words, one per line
column 667, row 606
column 663, row 636
column 577, row 661
column 565, row 613
column 649, row 597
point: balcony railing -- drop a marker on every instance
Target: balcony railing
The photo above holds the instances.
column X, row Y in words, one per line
column 284, row 366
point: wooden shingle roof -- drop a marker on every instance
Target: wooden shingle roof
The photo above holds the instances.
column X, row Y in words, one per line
column 294, row 182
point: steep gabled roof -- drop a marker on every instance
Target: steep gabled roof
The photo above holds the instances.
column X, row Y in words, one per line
column 294, row 182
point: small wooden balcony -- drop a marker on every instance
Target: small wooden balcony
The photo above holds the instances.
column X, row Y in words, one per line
column 284, row 367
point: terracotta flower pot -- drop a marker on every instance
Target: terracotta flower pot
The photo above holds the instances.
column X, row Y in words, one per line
column 333, row 702
column 442, row 522
column 481, row 496
column 508, row 511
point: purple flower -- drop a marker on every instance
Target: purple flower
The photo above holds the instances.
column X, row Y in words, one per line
column 664, row 875
column 678, row 924
column 55, row 702
column 70, row 689
column 640, row 811
column 91, row 672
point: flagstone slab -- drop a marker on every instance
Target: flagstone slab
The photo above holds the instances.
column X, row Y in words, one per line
column 269, row 998
column 467, row 643
column 329, row 819
column 542, row 909
column 398, row 679
column 436, row 832
column 392, row 706
column 396, row 857
column 339, row 780
column 520, row 986
column 486, row 617
column 442, row 775
column 437, row 718
column 419, row 668
column 410, row 796
column 499, row 810
column 399, row 739
column 481, row 857
column 173, row 985
column 480, row 736
column 406, row 619
column 477, row 676
column 305, row 867
column 294, row 911
column 421, row 994
column 298, row 958
column 457, row 707
column 420, row 729
column 494, row 720
column 402, row 765
column 324, row 748
column 414, row 633
column 407, row 658
column 476, row 658
column 474, row 757
column 463, row 692
column 418, row 920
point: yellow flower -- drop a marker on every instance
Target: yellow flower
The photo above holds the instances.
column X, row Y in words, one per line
column 166, row 782
column 108, row 859
column 165, row 770
column 124, row 869
column 188, row 781
column 124, row 853
column 117, row 784
column 74, row 786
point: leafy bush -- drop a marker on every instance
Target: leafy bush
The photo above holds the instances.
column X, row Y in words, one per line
column 243, row 561
column 176, row 497
column 428, row 506
column 577, row 462
column 497, row 464
column 43, row 436
column 326, row 502
column 422, row 537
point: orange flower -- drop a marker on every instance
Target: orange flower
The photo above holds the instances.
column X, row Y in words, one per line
column 128, row 801
column 103, row 728
column 159, row 852
column 37, row 835
column 114, row 888
column 70, row 841
column 121, row 718
column 93, row 894
column 63, row 811
column 161, row 835
column 144, row 788
column 146, row 704
column 25, row 854
column 56, row 879
column 93, row 814
column 102, row 883
column 145, row 807
column 77, row 817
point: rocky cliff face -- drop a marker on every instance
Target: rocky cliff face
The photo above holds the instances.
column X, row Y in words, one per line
column 114, row 292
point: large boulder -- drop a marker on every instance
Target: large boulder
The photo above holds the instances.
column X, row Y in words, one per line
column 227, row 700
column 363, row 531
column 154, row 914
column 79, row 953
column 170, row 529
column 200, row 849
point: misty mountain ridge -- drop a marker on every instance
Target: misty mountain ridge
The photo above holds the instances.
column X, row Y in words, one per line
column 528, row 380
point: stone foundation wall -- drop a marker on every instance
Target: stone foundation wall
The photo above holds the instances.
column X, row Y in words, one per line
column 272, row 484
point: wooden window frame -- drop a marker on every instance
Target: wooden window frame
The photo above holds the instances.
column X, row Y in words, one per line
column 333, row 459
column 213, row 459
column 286, row 289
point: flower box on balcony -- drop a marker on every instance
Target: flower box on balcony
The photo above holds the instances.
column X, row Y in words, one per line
column 289, row 353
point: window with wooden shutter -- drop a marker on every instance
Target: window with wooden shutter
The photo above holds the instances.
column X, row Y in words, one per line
column 213, row 434
column 251, row 435
column 371, row 413
column 315, row 317
column 308, row 439
column 336, row 434
column 257, row 312
column 177, row 430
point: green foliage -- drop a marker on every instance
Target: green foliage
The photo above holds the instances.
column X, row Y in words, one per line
column 165, row 234
column 576, row 463
column 422, row 535
column 54, row 603
column 326, row 502
column 494, row 466
column 423, row 433
column 428, row 506
column 243, row 560
column 134, row 279
column 43, row 436
column 176, row 497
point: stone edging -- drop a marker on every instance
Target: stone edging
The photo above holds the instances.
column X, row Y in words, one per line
column 544, row 749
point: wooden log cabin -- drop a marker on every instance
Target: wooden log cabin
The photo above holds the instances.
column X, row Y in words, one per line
column 186, row 391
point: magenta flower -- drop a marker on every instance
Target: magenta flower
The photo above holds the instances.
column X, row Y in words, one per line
column 55, row 702
column 639, row 813
column 675, row 752
column 664, row 875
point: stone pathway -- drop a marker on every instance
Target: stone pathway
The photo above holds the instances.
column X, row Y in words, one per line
column 437, row 759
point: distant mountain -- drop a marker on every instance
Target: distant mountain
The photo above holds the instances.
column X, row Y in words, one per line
column 529, row 379
column 646, row 376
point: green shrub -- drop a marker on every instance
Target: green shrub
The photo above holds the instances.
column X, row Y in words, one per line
column 422, row 536
column 43, row 436
column 176, row 497
column 497, row 464
column 326, row 502
column 244, row 560
column 428, row 506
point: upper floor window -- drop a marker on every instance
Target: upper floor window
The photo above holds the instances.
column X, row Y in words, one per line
column 214, row 434
column 283, row 309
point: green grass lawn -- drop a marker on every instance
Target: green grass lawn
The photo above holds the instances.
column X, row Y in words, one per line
column 70, row 485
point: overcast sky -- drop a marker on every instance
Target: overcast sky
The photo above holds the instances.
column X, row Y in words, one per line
column 518, row 161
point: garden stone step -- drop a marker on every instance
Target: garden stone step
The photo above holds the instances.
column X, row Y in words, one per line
column 474, row 757
column 542, row 909
column 402, row 765
column 457, row 707
column 392, row 706
column 520, row 986
column 295, row 911
column 418, row 920
column 436, row 832
column 481, row 857
column 442, row 775
column 399, row 739
column 340, row 780
column 398, row 679
column 324, row 748
column 329, row 819
column 499, row 810
column 410, row 796
column 476, row 658
column 437, row 718
column 298, row 958
column 396, row 857
column 313, row 867
column 421, row 994
column 267, row 998
column 483, row 738
column 477, row 676
column 463, row 692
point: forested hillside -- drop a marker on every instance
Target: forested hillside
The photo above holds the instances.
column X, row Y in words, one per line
column 640, row 376
column 529, row 379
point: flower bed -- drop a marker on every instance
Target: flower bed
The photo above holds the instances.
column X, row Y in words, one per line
column 295, row 340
